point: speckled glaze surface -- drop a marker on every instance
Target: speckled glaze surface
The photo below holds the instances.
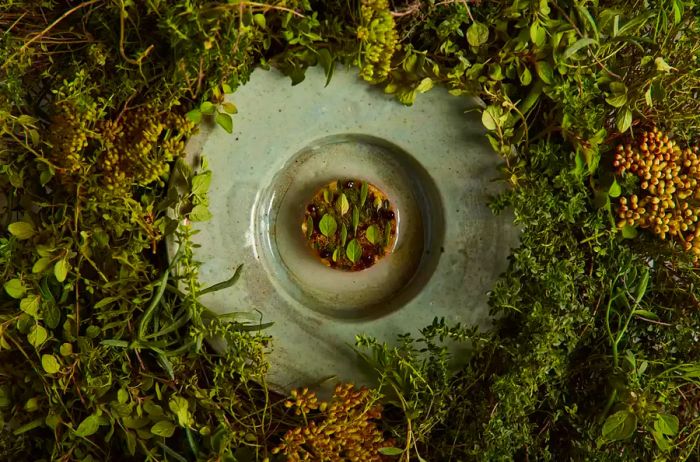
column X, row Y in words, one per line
column 432, row 159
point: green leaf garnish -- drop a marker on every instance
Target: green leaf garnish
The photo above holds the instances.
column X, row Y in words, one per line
column 342, row 204
column 327, row 225
column 355, row 220
column 372, row 234
column 343, row 234
column 364, row 190
column 353, row 251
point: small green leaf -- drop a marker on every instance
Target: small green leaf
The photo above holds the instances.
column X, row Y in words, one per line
column 88, row 426
column 489, row 117
column 619, row 426
column 327, row 225
column 372, row 234
column 355, row 220
column 201, row 183
column 260, row 20
column 353, row 251
column 661, row 441
column 364, row 190
column 525, row 76
column 195, row 116
column 60, row 269
column 30, row 305
column 230, row 108
column 15, row 288
column 646, row 314
column 391, row 451
column 617, row 101
column 41, row 264
column 629, row 232
column 180, row 407
column 52, row 315
column 66, row 349
column 200, row 212
column 545, row 72
column 225, row 121
column 327, row 62
column 342, row 204
column 623, row 120
column 21, row 230
column 29, row 426
column 37, row 335
column 343, row 234
column 50, row 364
column 327, row 196
column 336, row 254
column 666, row 424
column 164, row 428
column 578, row 45
column 309, row 227
column 425, row 85
column 538, row 34
column 207, row 108
column 615, row 189
column 477, row 34
column 662, row 65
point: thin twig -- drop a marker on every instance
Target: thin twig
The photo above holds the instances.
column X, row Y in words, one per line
column 45, row 31
column 260, row 5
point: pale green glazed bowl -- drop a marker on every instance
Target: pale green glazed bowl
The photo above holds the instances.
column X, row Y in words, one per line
column 431, row 159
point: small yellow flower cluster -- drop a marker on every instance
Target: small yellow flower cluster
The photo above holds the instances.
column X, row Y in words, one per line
column 70, row 131
column 138, row 146
column 343, row 429
column 669, row 176
column 379, row 37
column 133, row 149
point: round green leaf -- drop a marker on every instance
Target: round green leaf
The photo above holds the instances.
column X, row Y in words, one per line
column 327, row 225
column 477, row 34
column 666, row 424
column 50, row 364
column 225, row 121
column 372, row 234
column 21, row 230
column 195, row 116
column 354, row 251
column 88, row 426
column 30, row 305
column 207, row 107
column 60, row 269
column 15, row 288
column 619, row 426
column 37, row 335
column 164, row 428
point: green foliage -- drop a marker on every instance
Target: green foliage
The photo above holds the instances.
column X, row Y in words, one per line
column 593, row 354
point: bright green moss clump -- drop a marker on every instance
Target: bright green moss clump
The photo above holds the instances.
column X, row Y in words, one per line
column 378, row 36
